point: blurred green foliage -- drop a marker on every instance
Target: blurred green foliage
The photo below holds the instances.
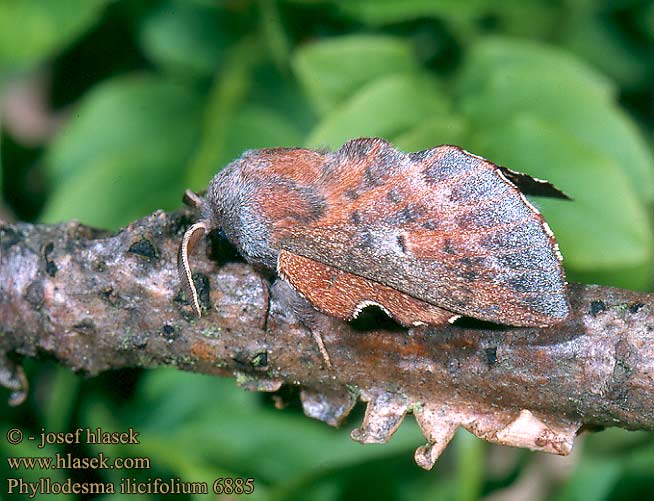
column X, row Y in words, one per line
column 158, row 95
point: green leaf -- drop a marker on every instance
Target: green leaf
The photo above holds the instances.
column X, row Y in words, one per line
column 491, row 56
column 617, row 441
column 168, row 398
column 602, row 44
column 470, row 465
column 495, row 88
column 525, row 18
column 593, row 480
column 62, row 387
column 31, row 30
column 605, row 226
column 600, row 125
column 117, row 189
column 274, row 34
column 187, row 38
column 432, row 131
column 645, row 21
column 332, row 69
column 636, row 277
column 227, row 95
column 127, row 113
column 258, row 127
column 378, row 12
column 385, row 108
column 122, row 153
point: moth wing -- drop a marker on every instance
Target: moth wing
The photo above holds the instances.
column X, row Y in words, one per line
column 532, row 185
column 442, row 226
column 344, row 295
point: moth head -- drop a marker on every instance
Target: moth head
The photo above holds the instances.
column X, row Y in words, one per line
column 225, row 194
column 220, row 195
column 220, row 208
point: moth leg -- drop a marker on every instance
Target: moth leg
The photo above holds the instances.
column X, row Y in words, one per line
column 344, row 295
column 321, row 346
column 306, row 314
column 189, row 241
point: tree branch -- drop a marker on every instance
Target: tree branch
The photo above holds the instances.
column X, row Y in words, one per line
column 96, row 301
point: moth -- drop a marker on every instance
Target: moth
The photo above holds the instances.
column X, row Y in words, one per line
column 426, row 236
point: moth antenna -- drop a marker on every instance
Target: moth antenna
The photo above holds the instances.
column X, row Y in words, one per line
column 189, row 241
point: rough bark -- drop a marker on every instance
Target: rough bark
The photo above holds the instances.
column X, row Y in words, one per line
column 96, row 301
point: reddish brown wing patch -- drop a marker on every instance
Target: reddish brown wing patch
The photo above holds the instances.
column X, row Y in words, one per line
column 344, row 295
column 442, row 226
column 291, row 177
